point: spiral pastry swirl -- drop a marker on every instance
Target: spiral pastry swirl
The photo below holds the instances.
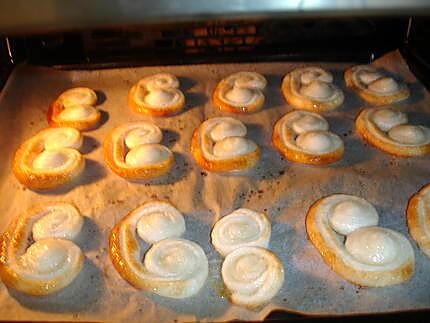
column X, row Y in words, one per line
column 132, row 151
column 75, row 108
column 312, row 89
column 52, row 261
column 370, row 256
column 219, row 145
column 240, row 228
column 253, row 275
column 375, row 86
column 304, row 137
column 418, row 218
column 49, row 159
column 157, row 95
column 172, row 267
column 388, row 130
column 159, row 220
column 240, row 92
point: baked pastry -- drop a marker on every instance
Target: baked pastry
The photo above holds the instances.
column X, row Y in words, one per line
column 219, row 145
column 240, row 228
column 253, row 275
column 132, row 151
column 388, row 130
column 374, row 85
column 52, row 261
column 304, row 137
column 75, row 108
column 159, row 220
column 370, row 256
column 418, row 216
column 240, row 92
column 49, row 159
column 172, row 267
column 311, row 88
column 157, row 95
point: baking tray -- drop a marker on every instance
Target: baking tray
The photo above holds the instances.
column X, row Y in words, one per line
column 279, row 188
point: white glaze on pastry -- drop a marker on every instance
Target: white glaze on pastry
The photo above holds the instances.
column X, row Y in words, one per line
column 63, row 222
column 55, row 138
column 54, row 155
column 373, row 245
column 146, row 133
column 227, row 129
column 81, row 96
column 409, row 134
column 145, row 155
column 77, row 113
column 351, row 214
column 386, row 119
column 240, row 228
column 177, row 261
column 158, row 221
column 308, row 122
column 50, row 160
column 253, row 275
column 315, row 142
column 53, row 261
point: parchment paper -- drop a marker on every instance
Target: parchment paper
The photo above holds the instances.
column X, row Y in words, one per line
column 281, row 189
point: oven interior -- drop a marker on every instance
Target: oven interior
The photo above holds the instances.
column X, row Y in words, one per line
column 358, row 39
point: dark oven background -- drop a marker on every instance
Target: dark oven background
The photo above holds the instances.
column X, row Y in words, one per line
column 325, row 39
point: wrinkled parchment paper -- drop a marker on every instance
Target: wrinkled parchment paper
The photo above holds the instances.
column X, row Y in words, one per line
column 281, row 189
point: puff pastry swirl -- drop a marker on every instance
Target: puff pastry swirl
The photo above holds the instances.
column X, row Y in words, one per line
column 52, row 261
column 132, row 151
column 240, row 228
column 304, row 137
column 418, row 218
column 75, row 108
column 157, row 95
column 311, row 88
column 219, row 145
column 49, row 159
column 159, row 220
column 172, row 267
column 374, row 86
column 370, row 256
column 388, row 130
column 253, row 275
column 240, row 92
